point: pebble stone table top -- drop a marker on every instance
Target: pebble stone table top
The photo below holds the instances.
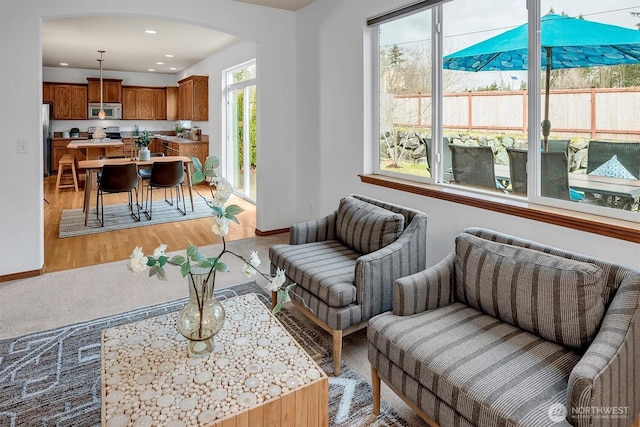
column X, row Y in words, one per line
column 148, row 379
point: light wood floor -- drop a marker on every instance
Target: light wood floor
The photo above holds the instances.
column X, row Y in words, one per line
column 81, row 251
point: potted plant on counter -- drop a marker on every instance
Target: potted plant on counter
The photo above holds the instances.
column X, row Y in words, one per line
column 179, row 130
column 143, row 142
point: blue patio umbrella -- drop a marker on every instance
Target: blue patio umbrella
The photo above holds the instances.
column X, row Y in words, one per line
column 566, row 43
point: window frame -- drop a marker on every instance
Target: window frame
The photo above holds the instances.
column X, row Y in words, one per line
column 534, row 103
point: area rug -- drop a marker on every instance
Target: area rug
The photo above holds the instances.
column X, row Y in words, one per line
column 52, row 378
column 118, row 217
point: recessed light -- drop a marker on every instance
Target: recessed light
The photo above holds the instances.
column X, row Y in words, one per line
column 168, row 55
column 172, row 68
column 64, row 64
column 152, row 69
column 159, row 63
column 150, row 31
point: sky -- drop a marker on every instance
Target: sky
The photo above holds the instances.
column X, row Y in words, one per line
column 466, row 22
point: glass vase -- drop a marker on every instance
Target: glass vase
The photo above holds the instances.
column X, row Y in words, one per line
column 203, row 317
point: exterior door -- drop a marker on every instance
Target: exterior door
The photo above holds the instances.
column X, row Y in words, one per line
column 241, row 131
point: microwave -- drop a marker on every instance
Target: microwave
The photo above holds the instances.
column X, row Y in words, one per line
column 113, row 111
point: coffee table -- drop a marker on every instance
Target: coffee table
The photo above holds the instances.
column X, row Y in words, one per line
column 257, row 375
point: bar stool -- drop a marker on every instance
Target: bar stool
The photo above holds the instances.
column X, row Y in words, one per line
column 67, row 174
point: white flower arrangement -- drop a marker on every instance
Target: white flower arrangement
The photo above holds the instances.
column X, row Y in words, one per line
column 222, row 215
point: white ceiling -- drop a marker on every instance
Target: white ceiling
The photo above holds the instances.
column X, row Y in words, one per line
column 76, row 41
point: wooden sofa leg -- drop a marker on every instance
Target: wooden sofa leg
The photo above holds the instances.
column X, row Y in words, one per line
column 274, row 299
column 337, row 351
column 375, row 387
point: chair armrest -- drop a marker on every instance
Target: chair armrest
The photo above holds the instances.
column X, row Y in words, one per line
column 376, row 271
column 425, row 290
column 316, row 230
column 607, row 374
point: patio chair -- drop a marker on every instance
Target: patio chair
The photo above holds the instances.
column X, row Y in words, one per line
column 518, row 170
column 447, row 175
column 555, row 175
column 627, row 154
column 473, row 166
column 558, row 145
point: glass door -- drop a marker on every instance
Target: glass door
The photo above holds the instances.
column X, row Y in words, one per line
column 241, row 130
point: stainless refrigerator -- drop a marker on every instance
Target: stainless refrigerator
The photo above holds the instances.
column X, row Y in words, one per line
column 47, row 134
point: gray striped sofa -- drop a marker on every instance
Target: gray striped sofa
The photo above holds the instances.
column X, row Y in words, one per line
column 509, row 332
column 345, row 263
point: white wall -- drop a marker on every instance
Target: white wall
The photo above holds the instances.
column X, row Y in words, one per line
column 333, row 86
column 21, row 218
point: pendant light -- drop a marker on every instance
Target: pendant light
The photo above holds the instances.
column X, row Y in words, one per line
column 101, row 114
column 99, row 134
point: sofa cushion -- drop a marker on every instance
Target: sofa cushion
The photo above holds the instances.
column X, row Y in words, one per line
column 490, row 372
column 326, row 269
column 365, row 227
column 553, row 297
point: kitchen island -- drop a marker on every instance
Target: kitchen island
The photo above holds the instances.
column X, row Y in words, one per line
column 171, row 145
column 92, row 150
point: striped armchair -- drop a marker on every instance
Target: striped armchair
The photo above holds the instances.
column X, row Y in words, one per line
column 345, row 263
column 509, row 332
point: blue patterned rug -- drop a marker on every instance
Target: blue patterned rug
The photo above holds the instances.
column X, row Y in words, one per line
column 52, row 378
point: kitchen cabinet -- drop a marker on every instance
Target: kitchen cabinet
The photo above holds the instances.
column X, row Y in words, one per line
column 47, row 92
column 111, row 90
column 159, row 104
column 183, row 147
column 143, row 103
column 193, row 98
column 70, row 102
column 171, row 93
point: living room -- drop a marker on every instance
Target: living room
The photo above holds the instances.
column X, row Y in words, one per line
column 314, row 81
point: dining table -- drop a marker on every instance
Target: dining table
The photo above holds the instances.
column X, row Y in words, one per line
column 607, row 186
column 92, row 167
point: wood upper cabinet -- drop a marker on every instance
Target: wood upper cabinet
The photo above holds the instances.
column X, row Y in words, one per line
column 146, row 104
column 193, row 98
column 159, row 104
column 129, row 103
column 143, row 103
column 70, row 102
column 111, row 90
column 172, row 102
column 47, row 92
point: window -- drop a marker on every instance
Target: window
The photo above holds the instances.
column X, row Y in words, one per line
column 456, row 108
column 241, row 129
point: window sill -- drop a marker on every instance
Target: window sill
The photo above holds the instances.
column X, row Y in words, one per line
column 609, row 227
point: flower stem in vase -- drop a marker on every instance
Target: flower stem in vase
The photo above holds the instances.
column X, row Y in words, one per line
column 203, row 317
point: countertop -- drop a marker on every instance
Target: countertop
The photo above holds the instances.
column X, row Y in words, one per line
column 84, row 143
column 178, row 140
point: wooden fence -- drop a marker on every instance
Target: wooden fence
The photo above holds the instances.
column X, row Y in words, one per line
column 574, row 113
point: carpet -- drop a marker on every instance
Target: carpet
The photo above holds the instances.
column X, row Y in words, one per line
column 118, row 217
column 53, row 377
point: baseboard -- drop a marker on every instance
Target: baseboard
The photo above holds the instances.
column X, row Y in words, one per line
column 261, row 233
column 22, row 275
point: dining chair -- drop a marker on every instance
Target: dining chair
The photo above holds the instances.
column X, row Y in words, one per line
column 473, row 166
column 145, row 174
column 118, row 179
column 166, row 175
column 518, row 169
